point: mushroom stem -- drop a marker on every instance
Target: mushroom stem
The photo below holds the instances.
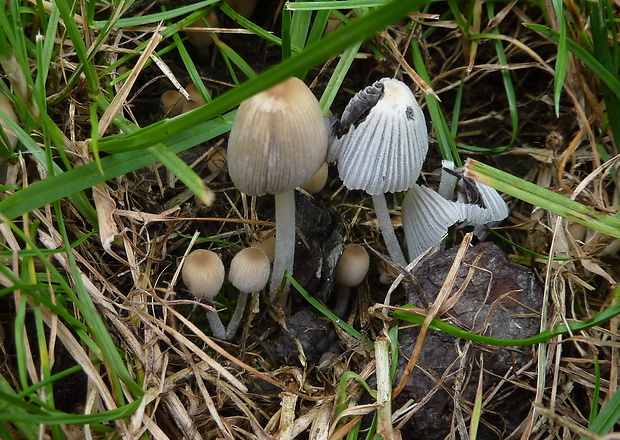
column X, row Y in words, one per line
column 285, row 241
column 216, row 325
column 342, row 301
column 387, row 230
column 233, row 325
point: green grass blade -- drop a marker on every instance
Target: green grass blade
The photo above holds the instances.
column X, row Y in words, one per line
column 45, row 192
column 299, row 27
column 190, row 66
column 313, row 55
column 547, row 335
column 252, row 27
column 338, row 76
column 233, row 56
column 447, row 146
column 85, row 66
column 608, row 58
column 154, row 18
column 594, row 406
column 609, row 78
column 286, row 34
column 561, row 62
column 324, row 310
column 544, row 198
column 608, row 417
column 346, row 4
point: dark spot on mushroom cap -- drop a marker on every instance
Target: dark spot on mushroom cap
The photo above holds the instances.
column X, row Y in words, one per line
column 409, row 113
column 359, row 106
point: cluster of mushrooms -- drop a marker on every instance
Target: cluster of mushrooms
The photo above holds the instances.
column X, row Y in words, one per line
column 280, row 140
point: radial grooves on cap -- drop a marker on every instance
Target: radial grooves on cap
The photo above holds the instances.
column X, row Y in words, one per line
column 426, row 219
column 385, row 152
column 278, row 140
column 249, row 270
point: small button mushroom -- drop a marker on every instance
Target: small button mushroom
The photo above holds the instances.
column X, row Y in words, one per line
column 277, row 142
column 203, row 273
column 266, row 242
column 174, row 103
column 199, row 38
column 171, row 103
column 317, row 182
column 249, row 273
column 195, row 99
column 351, row 270
column 216, row 164
column 384, row 148
column 245, row 8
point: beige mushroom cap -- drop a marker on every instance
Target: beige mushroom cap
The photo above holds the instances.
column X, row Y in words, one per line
column 249, row 270
column 217, row 161
column 278, row 140
column 318, row 181
column 352, row 266
column 203, row 274
column 243, row 7
column 202, row 39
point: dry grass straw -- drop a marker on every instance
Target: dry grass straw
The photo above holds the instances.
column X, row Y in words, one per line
column 199, row 388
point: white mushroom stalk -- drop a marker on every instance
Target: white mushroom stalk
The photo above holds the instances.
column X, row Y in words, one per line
column 278, row 142
column 384, row 149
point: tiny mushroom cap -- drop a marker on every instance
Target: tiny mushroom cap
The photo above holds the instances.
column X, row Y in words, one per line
column 249, row 270
column 317, row 182
column 203, row 274
column 278, row 140
column 266, row 242
column 352, row 266
column 202, row 39
column 217, row 161
column 244, row 8
column 172, row 103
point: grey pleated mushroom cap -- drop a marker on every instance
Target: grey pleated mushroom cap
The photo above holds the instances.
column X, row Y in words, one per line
column 489, row 206
column 426, row 219
column 385, row 151
column 278, row 140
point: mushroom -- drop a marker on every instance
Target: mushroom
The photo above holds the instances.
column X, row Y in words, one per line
column 8, row 141
column 249, row 273
column 383, row 151
column 200, row 39
column 277, row 142
column 316, row 182
column 216, row 164
column 265, row 241
column 203, row 274
column 351, row 270
column 427, row 215
column 426, row 219
column 173, row 103
column 245, row 8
